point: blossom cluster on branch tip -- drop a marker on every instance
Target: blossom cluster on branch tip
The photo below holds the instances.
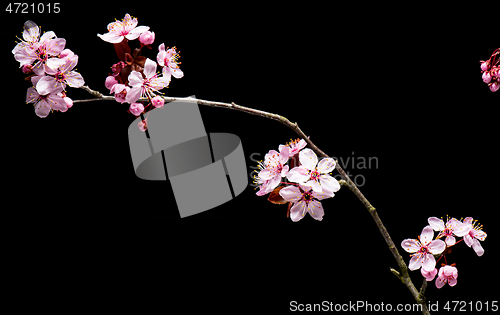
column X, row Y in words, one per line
column 424, row 249
column 50, row 69
column 135, row 76
column 491, row 71
column 308, row 180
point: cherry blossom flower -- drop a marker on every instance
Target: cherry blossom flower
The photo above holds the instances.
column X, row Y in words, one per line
column 295, row 146
column 31, row 35
column 110, row 82
column 126, row 28
column 120, row 91
column 304, row 200
column 447, row 274
column 272, row 170
column 168, row 60
column 60, row 76
column 41, row 52
column 424, row 248
column 475, row 235
column 428, row 275
column 141, row 86
column 452, row 227
column 45, row 103
column 314, row 174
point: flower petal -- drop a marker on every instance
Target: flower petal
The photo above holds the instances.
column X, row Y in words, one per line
column 284, row 153
column 429, row 263
column 266, row 174
column 149, row 68
column 48, row 85
column 329, row 184
column 416, row 261
column 436, row 246
column 135, row 79
column 298, row 174
column 462, row 229
column 291, row 193
column 315, row 209
column 476, row 246
column 426, row 235
column 436, row 223
column 297, row 211
column 440, row 282
column 326, row 165
column 411, row 245
column 133, row 95
column 111, row 37
column 308, row 159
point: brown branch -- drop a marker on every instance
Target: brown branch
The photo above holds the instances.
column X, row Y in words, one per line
column 403, row 274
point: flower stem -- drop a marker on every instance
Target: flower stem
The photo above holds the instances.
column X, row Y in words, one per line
column 403, row 274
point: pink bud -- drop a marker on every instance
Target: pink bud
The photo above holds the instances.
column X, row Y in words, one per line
column 485, row 65
column 486, row 77
column 157, row 101
column 494, row 86
column 143, row 125
column 136, row 108
column 110, row 82
column 147, row 38
column 27, row 69
column 68, row 101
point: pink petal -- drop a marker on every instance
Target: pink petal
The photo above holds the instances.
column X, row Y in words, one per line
column 462, row 229
column 467, row 240
column 297, row 211
column 42, row 109
column 149, row 68
column 429, row 263
column 74, row 79
column 481, row 235
column 476, row 246
column 111, row 37
column 329, row 184
column 308, row 159
column 416, row 261
column 436, row 246
column 57, row 103
column 315, row 209
column 48, row 85
column 55, row 46
column 284, row 153
column 426, row 235
column 274, row 182
column 436, row 223
column 177, row 73
column 411, row 245
column 291, row 193
column 440, row 282
column 298, row 174
column 135, row 79
column 133, row 95
column 450, row 240
column 452, row 282
column 284, row 171
column 326, row 165
column 136, row 32
column 266, row 174
column 31, row 95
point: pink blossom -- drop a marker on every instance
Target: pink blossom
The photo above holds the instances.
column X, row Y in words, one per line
column 120, row 91
column 147, row 38
column 475, row 235
column 424, row 248
column 126, row 28
column 485, row 65
column 136, row 108
column 145, row 87
column 45, row 103
column 494, row 86
column 168, row 60
column 304, row 200
column 295, row 146
column 452, row 227
column 143, row 125
column 428, row 275
column 41, row 52
column 31, row 35
column 447, row 274
column 314, row 174
column 60, row 77
column 486, row 77
column 272, row 170
column 157, row 101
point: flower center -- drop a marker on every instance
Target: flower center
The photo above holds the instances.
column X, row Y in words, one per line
column 307, row 196
column 60, row 77
column 315, row 175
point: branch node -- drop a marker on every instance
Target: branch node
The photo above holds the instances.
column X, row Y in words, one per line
column 396, row 273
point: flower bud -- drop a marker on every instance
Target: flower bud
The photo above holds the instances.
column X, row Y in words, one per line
column 110, row 82
column 27, row 69
column 136, row 108
column 485, row 65
column 494, row 86
column 157, row 101
column 486, row 77
column 147, row 38
column 143, row 125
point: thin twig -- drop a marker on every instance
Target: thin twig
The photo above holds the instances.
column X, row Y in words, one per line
column 402, row 275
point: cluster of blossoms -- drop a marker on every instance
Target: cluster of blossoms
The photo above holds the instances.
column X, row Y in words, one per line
column 425, row 249
column 135, row 76
column 50, row 68
column 309, row 181
column 491, row 71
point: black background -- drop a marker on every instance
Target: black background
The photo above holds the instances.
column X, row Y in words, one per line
column 401, row 84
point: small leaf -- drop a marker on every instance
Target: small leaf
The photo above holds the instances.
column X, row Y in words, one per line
column 275, row 196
